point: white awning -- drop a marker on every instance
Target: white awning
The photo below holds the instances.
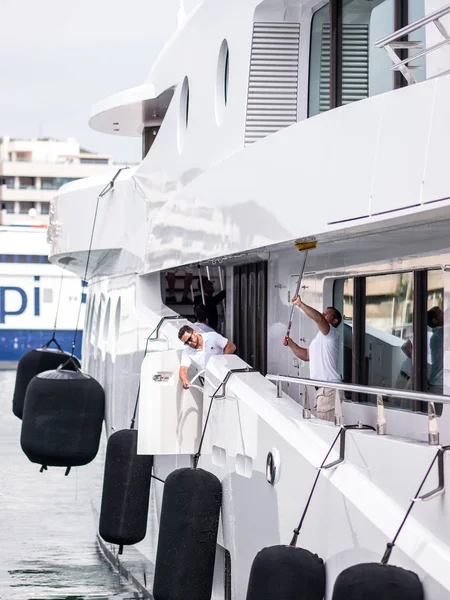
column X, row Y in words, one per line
column 127, row 112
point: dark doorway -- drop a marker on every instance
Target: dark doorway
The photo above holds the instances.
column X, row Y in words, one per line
column 250, row 314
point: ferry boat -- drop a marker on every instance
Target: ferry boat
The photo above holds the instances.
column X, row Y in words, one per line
column 33, row 292
column 36, row 298
column 268, row 128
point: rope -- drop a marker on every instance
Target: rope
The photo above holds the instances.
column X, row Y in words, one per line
column 53, row 338
column 158, row 479
column 170, row 317
column 227, row 376
column 74, row 341
column 133, row 418
column 390, row 545
column 106, row 189
column 297, row 530
column 199, row 451
column 59, row 301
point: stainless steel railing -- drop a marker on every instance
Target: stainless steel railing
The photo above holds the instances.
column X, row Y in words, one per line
column 430, row 399
column 394, row 41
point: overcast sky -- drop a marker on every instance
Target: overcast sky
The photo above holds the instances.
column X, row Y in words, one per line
column 60, row 57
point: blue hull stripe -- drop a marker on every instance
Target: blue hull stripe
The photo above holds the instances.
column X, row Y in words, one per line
column 16, row 342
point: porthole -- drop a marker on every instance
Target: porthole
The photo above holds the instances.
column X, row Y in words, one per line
column 117, row 320
column 115, row 336
column 91, row 318
column 183, row 117
column 106, row 323
column 223, row 70
column 97, row 327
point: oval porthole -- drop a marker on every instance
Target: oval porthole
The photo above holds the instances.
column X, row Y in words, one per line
column 183, row 117
column 97, row 327
column 117, row 320
column 223, row 70
column 117, row 317
column 91, row 319
column 106, row 324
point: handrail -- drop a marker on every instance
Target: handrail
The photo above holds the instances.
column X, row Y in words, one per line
column 399, row 41
column 430, row 399
column 434, row 16
column 362, row 389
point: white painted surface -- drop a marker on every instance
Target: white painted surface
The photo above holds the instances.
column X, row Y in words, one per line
column 170, row 417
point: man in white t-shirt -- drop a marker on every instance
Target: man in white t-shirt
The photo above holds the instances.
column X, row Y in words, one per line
column 322, row 354
column 199, row 349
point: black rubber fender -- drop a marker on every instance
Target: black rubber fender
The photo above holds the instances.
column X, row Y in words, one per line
column 31, row 364
column 286, row 573
column 187, row 539
column 62, row 419
column 126, row 490
column 374, row 581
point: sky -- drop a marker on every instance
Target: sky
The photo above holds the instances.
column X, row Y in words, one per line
column 60, row 57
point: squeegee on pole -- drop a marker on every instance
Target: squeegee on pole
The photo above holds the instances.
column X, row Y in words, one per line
column 303, row 248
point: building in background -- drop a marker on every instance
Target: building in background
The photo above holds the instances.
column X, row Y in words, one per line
column 31, row 289
column 33, row 170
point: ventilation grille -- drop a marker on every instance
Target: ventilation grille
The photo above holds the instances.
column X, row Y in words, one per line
column 273, row 79
column 355, row 65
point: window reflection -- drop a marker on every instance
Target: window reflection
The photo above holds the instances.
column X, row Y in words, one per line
column 319, row 67
column 389, row 309
column 347, row 318
column 387, row 355
column 365, row 69
column 435, row 323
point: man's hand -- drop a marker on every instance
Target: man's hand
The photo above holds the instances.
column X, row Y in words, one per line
column 301, row 353
column 297, row 301
column 186, row 383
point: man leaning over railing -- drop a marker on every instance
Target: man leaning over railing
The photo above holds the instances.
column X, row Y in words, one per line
column 322, row 355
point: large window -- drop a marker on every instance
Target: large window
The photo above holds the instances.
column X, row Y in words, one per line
column 319, row 66
column 345, row 65
column 63, row 180
column 24, row 207
column 26, row 183
column 94, row 161
column 394, row 333
column 8, row 206
column 48, row 183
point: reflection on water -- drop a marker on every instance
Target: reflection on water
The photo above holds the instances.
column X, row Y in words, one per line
column 48, row 548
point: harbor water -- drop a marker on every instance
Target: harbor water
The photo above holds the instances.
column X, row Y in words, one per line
column 48, row 547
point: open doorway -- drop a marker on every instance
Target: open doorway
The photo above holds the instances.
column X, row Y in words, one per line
column 197, row 294
column 250, row 314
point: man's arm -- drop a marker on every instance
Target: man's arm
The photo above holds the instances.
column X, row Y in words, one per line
column 313, row 314
column 184, row 378
column 229, row 348
column 219, row 297
column 301, row 353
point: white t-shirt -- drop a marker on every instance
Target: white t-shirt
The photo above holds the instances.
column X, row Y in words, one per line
column 213, row 343
column 202, row 327
column 324, row 356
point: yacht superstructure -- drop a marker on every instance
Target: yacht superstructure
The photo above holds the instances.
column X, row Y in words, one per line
column 266, row 126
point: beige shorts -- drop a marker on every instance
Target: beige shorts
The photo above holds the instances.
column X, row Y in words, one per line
column 325, row 404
